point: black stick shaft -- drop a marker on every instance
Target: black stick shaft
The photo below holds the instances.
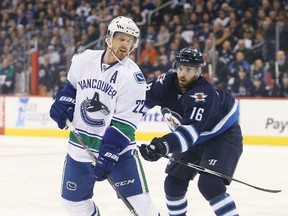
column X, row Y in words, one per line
column 212, row 172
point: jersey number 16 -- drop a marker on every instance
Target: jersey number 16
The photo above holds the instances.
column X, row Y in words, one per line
column 197, row 114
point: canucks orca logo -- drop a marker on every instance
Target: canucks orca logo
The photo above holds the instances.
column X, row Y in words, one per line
column 91, row 106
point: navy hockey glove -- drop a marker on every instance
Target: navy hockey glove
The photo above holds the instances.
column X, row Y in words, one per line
column 108, row 156
column 63, row 108
column 155, row 150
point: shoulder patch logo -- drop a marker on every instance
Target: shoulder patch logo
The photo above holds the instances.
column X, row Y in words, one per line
column 161, row 78
column 199, row 97
column 139, row 77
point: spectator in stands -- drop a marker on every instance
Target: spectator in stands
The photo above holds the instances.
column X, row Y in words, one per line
column 283, row 32
column 223, row 18
column 218, row 85
column 239, row 85
column 259, row 70
column 241, row 46
column 265, row 4
column 160, row 17
column 175, row 22
column 222, row 35
column 258, row 46
column 188, row 33
column 163, row 55
column 258, row 87
column 209, row 47
column 83, row 9
column 269, row 37
column 279, row 67
column 21, row 17
column 207, row 69
column 93, row 34
column 163, row 36
column 235, row 29
column 53, row 55
column 226, row 55
column 237, row 63
column 261, row 16
column 151, row 34
column 104, row 16
column 149, row 51
column 179, row 41
column 61, row 81
column 284, row 86
column 147, row 68
column 157, row 67
column 249, row 18
column 7, row 75
column 148, row 5
column 139, row 17
column 187, row 14
column 206, row 32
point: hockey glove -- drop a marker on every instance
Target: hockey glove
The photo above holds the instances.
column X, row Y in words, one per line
column 63, row 108
column 108, row 156
column 155, row 150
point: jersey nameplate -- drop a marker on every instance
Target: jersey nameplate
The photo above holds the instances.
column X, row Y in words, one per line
column 98, row 84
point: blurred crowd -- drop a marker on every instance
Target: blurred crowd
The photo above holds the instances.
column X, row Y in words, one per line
column 245, row 43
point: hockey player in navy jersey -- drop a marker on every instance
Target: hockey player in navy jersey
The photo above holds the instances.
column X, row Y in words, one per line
column 205, row 132
column 103, row 98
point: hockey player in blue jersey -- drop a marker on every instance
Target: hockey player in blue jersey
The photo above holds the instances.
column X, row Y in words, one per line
column 205, row 132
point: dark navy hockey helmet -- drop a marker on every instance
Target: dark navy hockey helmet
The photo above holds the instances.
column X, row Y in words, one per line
column 189, row 57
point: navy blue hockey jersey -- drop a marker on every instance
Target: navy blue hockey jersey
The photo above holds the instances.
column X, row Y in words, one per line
column 204, row 112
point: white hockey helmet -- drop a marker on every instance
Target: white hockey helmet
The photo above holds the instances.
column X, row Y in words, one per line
column 124, row 25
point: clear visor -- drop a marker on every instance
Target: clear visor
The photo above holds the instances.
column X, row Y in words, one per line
column 125, row 38
column 188, row 69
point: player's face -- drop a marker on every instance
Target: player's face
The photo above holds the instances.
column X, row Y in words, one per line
column 186, row 75
column 122, row 44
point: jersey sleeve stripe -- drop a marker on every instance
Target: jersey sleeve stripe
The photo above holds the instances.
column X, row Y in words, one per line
column 184, row 144
column 190, row 131
column 226, row 122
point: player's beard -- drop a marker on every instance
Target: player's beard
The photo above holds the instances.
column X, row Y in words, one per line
column 184, row 83
column 121, row 53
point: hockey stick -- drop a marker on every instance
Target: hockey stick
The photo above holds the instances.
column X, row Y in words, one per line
column 212, row 172
column 94, row 158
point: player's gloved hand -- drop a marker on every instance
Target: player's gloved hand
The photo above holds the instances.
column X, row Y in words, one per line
column 63, row 108
column 155, row 150
column 108, row 156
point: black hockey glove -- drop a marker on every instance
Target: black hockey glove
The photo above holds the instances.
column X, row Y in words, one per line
column 108, row 156
column 155, row 150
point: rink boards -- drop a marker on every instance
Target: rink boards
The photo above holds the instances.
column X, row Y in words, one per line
column 263, row 121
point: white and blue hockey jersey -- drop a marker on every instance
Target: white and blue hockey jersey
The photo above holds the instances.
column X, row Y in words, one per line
column 113, row 96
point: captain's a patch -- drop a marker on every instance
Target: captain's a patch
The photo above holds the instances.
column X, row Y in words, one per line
column 139, row 77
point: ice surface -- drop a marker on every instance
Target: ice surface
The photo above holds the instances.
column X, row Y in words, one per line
column 31, row 169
